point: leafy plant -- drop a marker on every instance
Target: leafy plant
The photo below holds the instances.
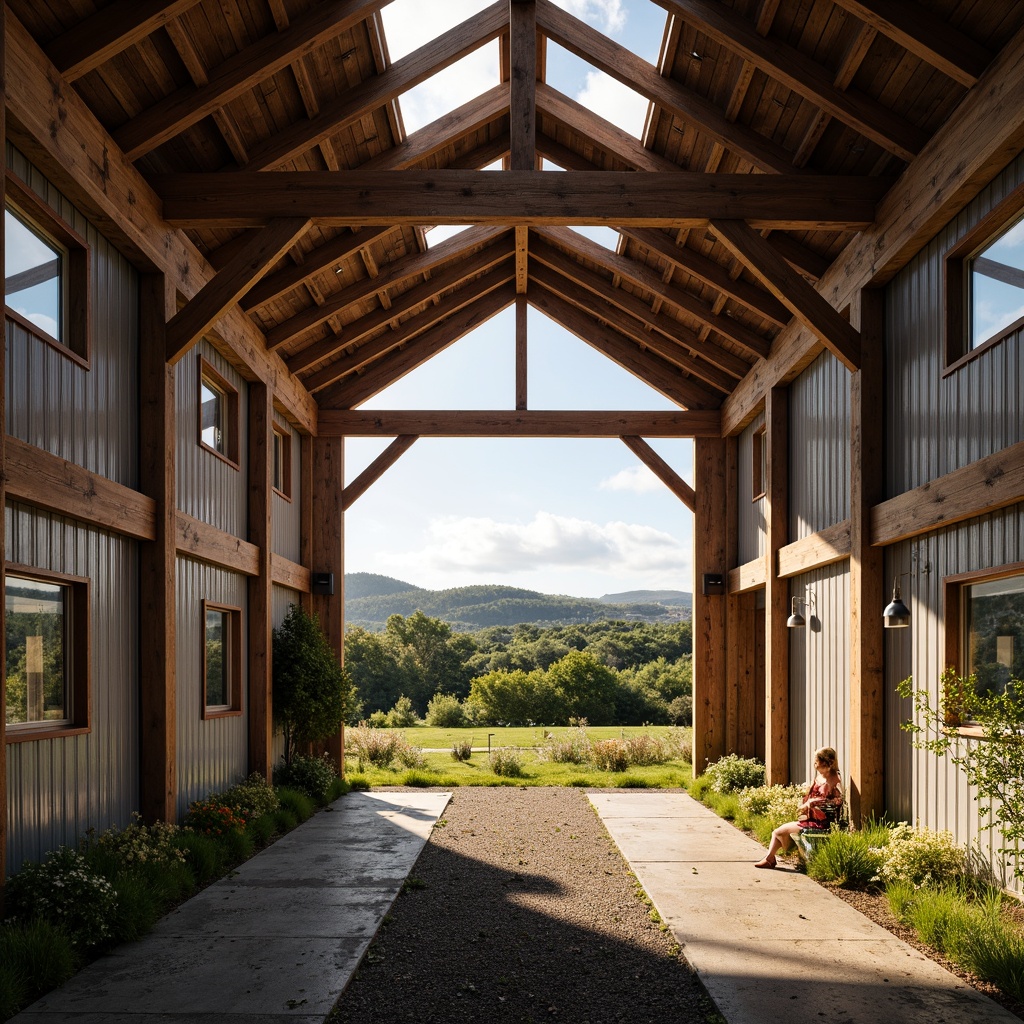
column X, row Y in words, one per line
column 445, row 711
column 138, row 843
column 921, row 856
column 845, row 858
column 507, row 762
column 379, row 747
column 402, row 715
column 732, row 773
column 35, row 956
column 462, row 750
column 610, row 755
column 314, row 776
column 572, row 747
column 297, row 802
column 211, row 817
column 252, row 798
column 311, row 689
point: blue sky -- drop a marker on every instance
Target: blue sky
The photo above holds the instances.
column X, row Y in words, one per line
column 567, row 516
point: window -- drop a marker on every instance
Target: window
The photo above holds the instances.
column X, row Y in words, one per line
column 282, row 468
column 218, row 414
column 47, row 689
column 222, row 664
column 985, row 614
column 759, row 464
column 985, row 282
column 47, row 268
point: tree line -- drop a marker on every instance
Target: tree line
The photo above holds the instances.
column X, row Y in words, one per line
column 613, row 672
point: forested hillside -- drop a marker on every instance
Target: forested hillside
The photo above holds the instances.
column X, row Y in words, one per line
column 370, row 599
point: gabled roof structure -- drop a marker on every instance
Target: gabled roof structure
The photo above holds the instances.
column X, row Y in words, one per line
column 271, row 132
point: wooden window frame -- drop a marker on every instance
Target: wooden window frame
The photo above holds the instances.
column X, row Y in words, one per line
column 285, row 435
column 233, row 642
column 76, row 293
column 956, row 273
column 758, row 463
column 79, row 646
column 209, row 373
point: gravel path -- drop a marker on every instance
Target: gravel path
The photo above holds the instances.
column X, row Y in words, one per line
column 520, row 908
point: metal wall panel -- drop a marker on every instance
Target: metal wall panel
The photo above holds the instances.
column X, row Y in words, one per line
column 287, row 522
column 819, row 447
column 58, row 788
column 819, row 676
column 209, row 488
column 939, row 423
column 922, row 788
column 752, row 541
column 212, row 754
column 87, row 416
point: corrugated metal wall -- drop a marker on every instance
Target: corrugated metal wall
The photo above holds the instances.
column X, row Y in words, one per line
column 921, row 788
column 819, row 447
column 819, row 675
column 208, row 487
column 85, row 416
column 942, row 423
column 212, row 754
column 752, row 543
column 286, row 538
column 56, row 789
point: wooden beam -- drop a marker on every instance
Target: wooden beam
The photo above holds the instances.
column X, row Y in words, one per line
column 807, row 305
column 867, row 487
column 110, row 31
column 986, row 133
column 522, row 258
column 635, row 73
column 710, row 711
column 682, row 199
column 376, row 469
column 286, row 573
column 826, row 547
column 50, row 482
column 3, row 471
column 523, row 84
column 206, row 543
column 158, row 575
column 925, row 35
column 662, row 470
column 306, row 514
column 223, row 290
column 747, row 577
column 373, row 93
column 240, row 73
column 776, row 511
column 527, row 423
column 522, row 310
column 992, row 482
column 801, row 74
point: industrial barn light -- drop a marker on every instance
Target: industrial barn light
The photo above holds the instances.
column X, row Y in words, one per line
column 896, row 614
column 796, row 620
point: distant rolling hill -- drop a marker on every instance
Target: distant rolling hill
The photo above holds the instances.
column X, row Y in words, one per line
column 370, row 599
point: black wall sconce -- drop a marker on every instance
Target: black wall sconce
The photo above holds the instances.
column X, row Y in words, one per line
column 322, row 583
column 713, row 583
column 896, row 614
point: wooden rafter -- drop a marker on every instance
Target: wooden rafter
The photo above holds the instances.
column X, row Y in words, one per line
column 376, row 469
column 517, row 423
column 662, row 470
column 682, row 199
column 808, row 306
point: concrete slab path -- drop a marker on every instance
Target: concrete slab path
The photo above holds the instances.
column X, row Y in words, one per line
column 274, row 942
column 775, row 945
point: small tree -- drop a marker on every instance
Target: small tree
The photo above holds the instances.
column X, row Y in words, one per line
column 993, row 765
column 311, row 690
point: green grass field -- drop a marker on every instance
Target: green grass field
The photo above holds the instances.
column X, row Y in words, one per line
column 430, row 738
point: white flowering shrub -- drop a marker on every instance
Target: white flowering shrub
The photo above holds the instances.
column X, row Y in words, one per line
column 780, row 803
column 921, row 856
column 732, row 773
column 139, row 843
column 63, row 891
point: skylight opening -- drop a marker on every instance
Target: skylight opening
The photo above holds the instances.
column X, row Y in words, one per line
column 442, row 233
column 407, row 28
column 606, row 237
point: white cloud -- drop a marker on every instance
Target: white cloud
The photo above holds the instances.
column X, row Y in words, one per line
column 636, row 479
column 448, row 89
column 614, row 102
column 607, row 15
column 407, row 28
column 480, row 546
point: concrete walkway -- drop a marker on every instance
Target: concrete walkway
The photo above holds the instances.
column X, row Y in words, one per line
column 775, row 945
column 275, row 941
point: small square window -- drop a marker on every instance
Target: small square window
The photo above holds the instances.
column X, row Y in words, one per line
column 47, row 273
column 222, row 668
column 218, row 414
column 47, row 652
column 759, row 464
column 282, row 462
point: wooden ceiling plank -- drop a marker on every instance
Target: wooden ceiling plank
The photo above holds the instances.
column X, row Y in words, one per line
column 360, row 388
column 523, row 84
column 224, row 288
column 661, row 469
column 328, row 254
column 711, row 273
column 518, row 423
column 414, row 197
column 254, row 64
column 926, row 36
column 376, row 469
column 808, row 306
column 392, row 273
column 635, row 73
column 380, row 90
column 802, row 74
column 110, row 31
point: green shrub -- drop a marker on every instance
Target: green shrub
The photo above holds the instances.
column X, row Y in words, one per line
column 172, row 881
column 252, row 798
column 994, row 951
column 507, row 762
column 402, row 715
column 13, row 990
column 339, row 787
column 65, row 891
column 900, row 894
column 445, row 711
column 240, row 846
column 138, row 843
column 580, row 782
column 378, row 747
column 941, row 917
column 779, row 803
column 733, row 773
column 262, row 829
column 139, row 907
column 845, row 858
column 610, row 755
column 645, row 750
column 359, row 783
column 285, row 820
column 462, row 750
column 203, row 854
column 311, row 775
column 418, row 778
column 572, row 747
column 297, row 802
column 35, row 957
column 411, row 757
column 631, row 782
column 377, row 720
column 921, row 856
column 700, row 787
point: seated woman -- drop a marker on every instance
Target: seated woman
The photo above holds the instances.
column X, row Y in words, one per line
column 819, row 808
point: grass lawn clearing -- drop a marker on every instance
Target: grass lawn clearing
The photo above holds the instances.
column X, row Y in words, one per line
column 431, row 738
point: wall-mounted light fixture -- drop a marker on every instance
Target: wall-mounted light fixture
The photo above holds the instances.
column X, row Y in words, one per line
column 796, row 620
column 896, row 614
